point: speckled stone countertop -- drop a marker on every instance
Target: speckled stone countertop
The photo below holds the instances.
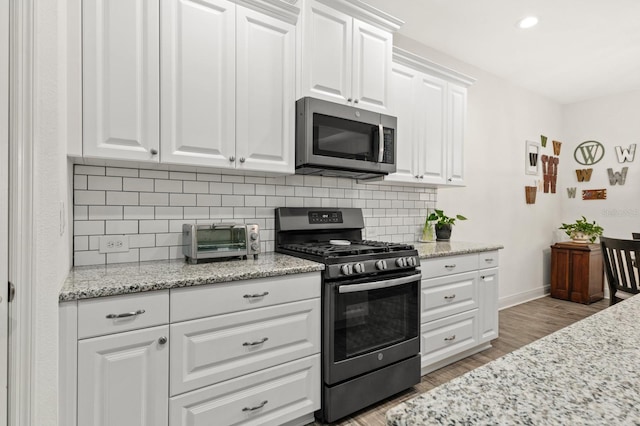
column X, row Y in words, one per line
column 584, row 374
column 86, row 282
column 452, row 248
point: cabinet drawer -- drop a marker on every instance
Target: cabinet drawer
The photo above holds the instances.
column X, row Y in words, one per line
column 488, row 259
column 272, row 396
column 115, row 314
column 448, row 336
column 448, row 265
column 211, row 350
column 198, row 302
column 449, row 295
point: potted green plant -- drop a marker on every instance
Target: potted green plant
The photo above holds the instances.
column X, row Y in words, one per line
column 443, row 223
column 582, row 231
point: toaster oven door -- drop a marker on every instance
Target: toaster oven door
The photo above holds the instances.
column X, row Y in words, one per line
column 223, row 239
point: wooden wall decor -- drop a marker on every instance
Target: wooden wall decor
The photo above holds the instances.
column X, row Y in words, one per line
column 550, row 173
column 594, row 194
column 626, row 154
column 584, row 175
column 530, row 194
column 589, row 153
column 543, row 140
column 556, row 147
column 571, row 192
column 617, row 178
column 532, row 153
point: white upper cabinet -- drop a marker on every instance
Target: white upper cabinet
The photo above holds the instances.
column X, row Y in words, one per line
column 198, row 82
column 120, row 56
column 346, row 52
column 430, row 102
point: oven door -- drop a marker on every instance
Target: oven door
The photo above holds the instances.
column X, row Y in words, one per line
column 370, row 323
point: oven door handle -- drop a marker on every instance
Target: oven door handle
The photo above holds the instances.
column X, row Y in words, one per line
column 352, row 288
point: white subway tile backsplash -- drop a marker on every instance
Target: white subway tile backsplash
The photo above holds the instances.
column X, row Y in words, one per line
column 150, row 207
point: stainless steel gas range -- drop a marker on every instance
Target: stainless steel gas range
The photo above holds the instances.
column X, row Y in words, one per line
column 370, row 306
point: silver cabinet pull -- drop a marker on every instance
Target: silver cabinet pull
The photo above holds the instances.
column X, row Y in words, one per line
column 153, row 151
column 356, row 101
column 255, row 296
column 126, row 314
column 453, row 296
column 489, row 260
column 162, row 340
column 450, row 266
column 349, row 100
column 257, row 407
column 259, row 342
column 242, row 159
column 232, row 159
column 450, row 338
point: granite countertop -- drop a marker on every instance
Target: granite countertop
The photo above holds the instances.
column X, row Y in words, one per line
column 452, row 248
column 86, row 282
column 584, row 374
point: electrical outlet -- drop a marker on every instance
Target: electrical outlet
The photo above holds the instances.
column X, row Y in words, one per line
column 114, row 244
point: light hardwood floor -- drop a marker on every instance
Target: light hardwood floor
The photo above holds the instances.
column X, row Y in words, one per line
column 519, row 325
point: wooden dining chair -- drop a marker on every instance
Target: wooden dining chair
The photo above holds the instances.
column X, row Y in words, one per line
column 621, row 267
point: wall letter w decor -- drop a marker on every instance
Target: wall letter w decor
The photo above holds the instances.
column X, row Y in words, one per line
column 589, row 152
column 626, row 154
column 617, row 177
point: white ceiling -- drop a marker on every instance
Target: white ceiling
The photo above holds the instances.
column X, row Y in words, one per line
column 580, row 49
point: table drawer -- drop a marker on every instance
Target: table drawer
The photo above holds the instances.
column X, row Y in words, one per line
column 210, row 350
column 448, row 265
column 488, row 259
column 199, row 302
column 272, row 396
column 115, row 314
column 448, row 336
column 448, row 295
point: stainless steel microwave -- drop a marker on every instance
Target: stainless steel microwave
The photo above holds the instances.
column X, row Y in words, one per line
column 341, row 140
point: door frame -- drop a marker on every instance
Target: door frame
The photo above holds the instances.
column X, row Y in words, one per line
column 21, row 242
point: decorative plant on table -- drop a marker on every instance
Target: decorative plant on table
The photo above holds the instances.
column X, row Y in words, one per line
column 582, row 231
column 443, row 223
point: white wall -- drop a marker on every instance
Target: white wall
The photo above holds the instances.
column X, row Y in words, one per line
column 501, row 117
column 51, row 252
column 612, row 121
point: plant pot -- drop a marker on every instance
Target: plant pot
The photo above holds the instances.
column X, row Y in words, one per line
column 427, row 233
column 443, row 232
column 579, row 237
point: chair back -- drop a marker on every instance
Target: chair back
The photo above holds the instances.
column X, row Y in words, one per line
column 635, row 235
column 621, row 259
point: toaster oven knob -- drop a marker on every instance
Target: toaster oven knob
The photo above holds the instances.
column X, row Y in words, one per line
column 401, row 262
column 253, row 236
column 358, row 268
column 381, row 265
column 254, row 247
column 346, row 269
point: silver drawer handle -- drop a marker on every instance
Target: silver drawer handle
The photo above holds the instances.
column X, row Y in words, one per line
column 259, row 342
column 450, row 266
column 453, row 296
column 255, row 296
column 450, row 338
column 257, row 407
column 126, row 314
column 489, row 260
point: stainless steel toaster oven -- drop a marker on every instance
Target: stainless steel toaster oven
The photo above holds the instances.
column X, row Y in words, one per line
column 219, row 240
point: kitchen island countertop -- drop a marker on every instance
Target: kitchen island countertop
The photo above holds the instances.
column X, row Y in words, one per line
column 452, row 248
column 586, row 374
column 84, row 282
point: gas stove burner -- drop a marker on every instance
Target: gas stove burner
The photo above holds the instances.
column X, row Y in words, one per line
column 340, row 242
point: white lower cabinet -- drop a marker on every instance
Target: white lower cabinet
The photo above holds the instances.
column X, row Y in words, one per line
column 459, row 302
column 123, row 379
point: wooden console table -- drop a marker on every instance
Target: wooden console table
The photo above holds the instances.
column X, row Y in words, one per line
column 576, row 272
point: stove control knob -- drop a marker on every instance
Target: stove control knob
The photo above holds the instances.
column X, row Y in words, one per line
column 411, row 261
column 381, row 265
column 401, row 262
column 358, row 268
column 346, row 269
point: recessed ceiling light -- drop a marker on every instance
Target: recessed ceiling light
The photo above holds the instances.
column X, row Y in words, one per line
column 528, row 22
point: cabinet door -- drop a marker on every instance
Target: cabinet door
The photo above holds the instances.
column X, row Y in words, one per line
column 401, row 104
column 560, row 273
column 120, row 57
column 457, row 106
column 488, row 290
column 123, row 379
column 371, row 66
column 431, row 122
column 265, row 109
column 198, row 82
column 327, row 53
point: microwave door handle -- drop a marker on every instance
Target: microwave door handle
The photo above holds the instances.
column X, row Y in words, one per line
column 353, row 288
column 380, row 143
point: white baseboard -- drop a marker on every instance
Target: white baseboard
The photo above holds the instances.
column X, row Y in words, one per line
column 525, row 296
